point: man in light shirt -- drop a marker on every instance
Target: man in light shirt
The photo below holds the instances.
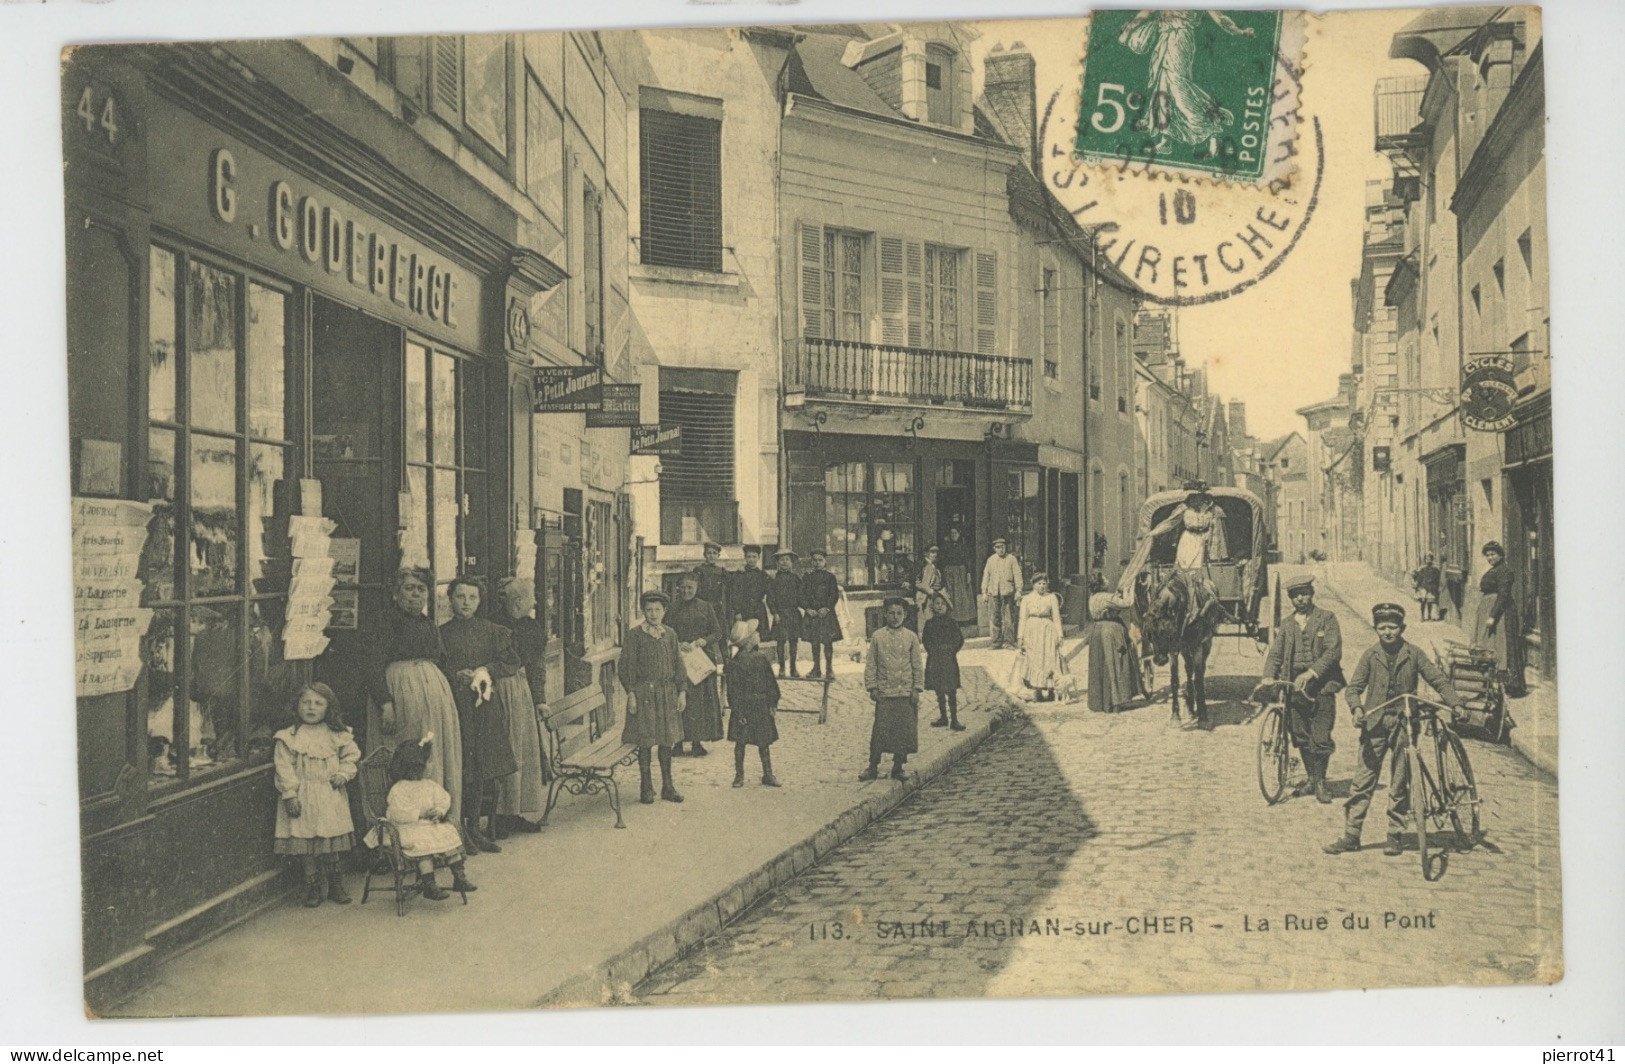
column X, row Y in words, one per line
column 1001, row 584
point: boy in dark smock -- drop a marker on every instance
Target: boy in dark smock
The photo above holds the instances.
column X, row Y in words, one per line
column 820, row 625
column 651, row 672
column 747, row 592
column 753, row 695
column 713, row 581
column 697, row 625
column 894, row 674
column 784, row 601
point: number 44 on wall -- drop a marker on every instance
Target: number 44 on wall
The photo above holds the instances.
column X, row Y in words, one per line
column 106, row 119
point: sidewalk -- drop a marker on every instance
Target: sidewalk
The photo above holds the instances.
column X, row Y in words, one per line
column 1535, row 715
column 581, row 912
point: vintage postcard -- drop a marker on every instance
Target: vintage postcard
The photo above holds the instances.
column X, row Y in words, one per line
column 810, row 512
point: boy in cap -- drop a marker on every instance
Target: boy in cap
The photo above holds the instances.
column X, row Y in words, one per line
column 1001, row 583
column 1386, row 671
column 820, row 626
column 894, row 673
column 784, row 600
column 747, row 592
column 1308, row 650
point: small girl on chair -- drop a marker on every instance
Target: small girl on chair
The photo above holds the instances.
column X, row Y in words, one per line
column 420, row 810
column 315, row 758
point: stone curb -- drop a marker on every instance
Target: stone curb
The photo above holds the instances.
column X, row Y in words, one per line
column 611, row 981
column 1530, row 752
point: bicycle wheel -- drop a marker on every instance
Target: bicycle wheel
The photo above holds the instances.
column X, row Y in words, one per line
column 1457, row 790
column 1421, row 804
column 1274, row 754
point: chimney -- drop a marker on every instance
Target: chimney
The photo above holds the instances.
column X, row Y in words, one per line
column 1238, row 419
column 1009, row 90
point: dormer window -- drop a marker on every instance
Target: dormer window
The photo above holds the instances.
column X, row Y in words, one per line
column 940, row 106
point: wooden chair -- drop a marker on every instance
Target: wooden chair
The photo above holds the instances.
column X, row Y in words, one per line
column 387, row 857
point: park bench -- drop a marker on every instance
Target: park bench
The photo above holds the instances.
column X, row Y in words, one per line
column 579, row 762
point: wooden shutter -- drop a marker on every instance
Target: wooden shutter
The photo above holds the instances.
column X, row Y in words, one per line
column 894, row 306
column 914, row 268
column 987, row 302
column 811, row 241
column 446, row 78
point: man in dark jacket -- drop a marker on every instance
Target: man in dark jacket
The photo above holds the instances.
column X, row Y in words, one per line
column 1390, row 669
column 1308, row 651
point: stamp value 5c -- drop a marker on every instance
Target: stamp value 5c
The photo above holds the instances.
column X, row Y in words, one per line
column 1194, row 91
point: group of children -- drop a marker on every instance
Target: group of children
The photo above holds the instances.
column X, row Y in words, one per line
column 317, row 756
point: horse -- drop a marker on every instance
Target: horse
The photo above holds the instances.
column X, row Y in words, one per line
column 1164, row 614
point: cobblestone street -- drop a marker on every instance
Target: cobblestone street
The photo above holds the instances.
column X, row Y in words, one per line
column 1090, row 853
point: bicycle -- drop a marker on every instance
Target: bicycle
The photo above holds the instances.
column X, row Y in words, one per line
column 1276, row 757
column 1444, row 791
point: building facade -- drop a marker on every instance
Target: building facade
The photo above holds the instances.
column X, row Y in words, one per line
column 284, row 312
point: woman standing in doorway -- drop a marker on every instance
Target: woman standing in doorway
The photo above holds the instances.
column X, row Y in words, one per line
column 485, row 678
column 1498, row 623
column 409, row 683
column 955, row 560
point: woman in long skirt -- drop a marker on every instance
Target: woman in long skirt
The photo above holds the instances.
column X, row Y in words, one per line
column 651, row 672
column 699, row 628
column 1498, row 623
column 955, row 560
column 479, row 658
column 409, row 685
column 1114, row 674
column 522, row 796
column 1041, row 639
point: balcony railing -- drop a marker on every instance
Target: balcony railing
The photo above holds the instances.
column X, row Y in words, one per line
column 1399, row 111
column 908, row 376
column 699, row 521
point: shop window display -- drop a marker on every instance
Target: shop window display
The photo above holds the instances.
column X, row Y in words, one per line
column 215, row 565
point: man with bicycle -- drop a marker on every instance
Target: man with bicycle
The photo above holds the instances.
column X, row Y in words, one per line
column 1388, row 670
column 1308, row 651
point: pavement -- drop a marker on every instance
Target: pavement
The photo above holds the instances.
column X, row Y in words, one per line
column 577, row 914
column 1534, row 734
column 1083, row 853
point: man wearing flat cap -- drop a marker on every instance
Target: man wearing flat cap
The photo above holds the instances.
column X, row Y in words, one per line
column 1307, row 650
column 1001, row 583
column 1391, row 668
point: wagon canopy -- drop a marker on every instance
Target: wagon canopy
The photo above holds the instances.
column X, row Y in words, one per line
column 1244, row 531
column 1243, row 538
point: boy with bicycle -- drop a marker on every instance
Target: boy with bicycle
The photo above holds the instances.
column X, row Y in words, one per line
column 1391, row 668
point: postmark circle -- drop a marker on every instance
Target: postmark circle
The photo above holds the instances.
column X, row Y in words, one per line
column 1173, row 240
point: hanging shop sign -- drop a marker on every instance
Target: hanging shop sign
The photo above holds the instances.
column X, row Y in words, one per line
column 569, row 389
column 664, row 441
column 621, row 406
column 1489, row 391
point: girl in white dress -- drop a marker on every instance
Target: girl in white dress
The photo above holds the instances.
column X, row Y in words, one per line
column 420, row 809
column 1041, row 638
column 315, row 759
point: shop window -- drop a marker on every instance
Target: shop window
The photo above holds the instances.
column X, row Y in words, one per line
column 871, row 513
column 215, row 566
column 697, row 498
column 1024, row 518
column 680, row 156
column 445, row 466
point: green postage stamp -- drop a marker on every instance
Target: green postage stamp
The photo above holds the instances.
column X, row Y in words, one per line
column 1204, row 92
